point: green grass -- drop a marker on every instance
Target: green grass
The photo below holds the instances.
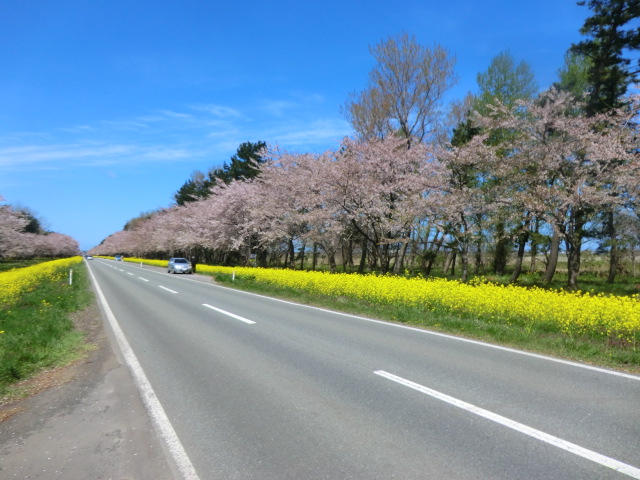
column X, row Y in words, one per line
column 38, row 332
column 540, row 339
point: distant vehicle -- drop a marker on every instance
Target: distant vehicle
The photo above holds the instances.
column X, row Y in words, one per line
column 118, row 258
column 89, row 257
column 179, row 265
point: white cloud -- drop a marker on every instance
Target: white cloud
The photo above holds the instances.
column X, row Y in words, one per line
column 219, row 111
column 320, row 132
column 176, row 115
column 278, row 108
column 39, row 154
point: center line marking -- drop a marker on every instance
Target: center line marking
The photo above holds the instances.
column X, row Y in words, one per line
column 143, row 279
column 532, row 432
column 233, row 315
column 167, row 289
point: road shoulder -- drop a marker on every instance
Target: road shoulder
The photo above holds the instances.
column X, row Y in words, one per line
column 86, row 420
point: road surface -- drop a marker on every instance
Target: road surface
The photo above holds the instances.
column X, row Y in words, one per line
column 242, row 386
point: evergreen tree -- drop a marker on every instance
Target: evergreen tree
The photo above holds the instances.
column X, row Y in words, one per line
column 610, row 72
column 245, row 164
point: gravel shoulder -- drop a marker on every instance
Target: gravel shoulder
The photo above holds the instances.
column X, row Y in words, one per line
column 86, row 420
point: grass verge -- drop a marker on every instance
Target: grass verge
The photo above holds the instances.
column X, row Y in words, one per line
column 539, row 339
column 37, row 331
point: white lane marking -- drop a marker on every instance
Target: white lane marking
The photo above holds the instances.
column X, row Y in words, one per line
column 429, row 332
column 167, row 289
column 154, row 407
column 129, row 273
column 447, row 336
column 233, row 315
column 532, row 432
column 143, row 279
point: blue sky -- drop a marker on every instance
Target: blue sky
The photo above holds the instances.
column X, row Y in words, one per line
column 106, row 107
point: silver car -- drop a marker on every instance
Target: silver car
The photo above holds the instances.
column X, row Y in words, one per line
column 179, row 265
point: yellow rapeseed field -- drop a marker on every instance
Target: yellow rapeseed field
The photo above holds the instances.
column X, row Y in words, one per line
column 574, row 313
column 16, row 282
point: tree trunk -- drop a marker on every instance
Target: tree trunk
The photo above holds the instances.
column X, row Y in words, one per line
column 478, row 256
column 331, row 256
column 385, row 258
column 447, row 262
column 502, row 250
column 478, row 266
column 553, row 256
column 292, row 255
column 434, row 255
column 302, row 251
column 573, row 264
column 464, row 260
column 261, row 257
column 573, row 239
column 523, row 238
column 399, row 265
column 363, row 255
column 454, row 255
column 314, row 258
column 534, row 246
column 613, row 249
column 347, row 255
column 518, row 267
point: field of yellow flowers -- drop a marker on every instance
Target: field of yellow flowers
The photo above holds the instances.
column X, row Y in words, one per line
column 573, row 313
column 14, row 283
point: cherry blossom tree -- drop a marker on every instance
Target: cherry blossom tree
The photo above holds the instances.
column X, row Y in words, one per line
column 463, row 199
column 381, row 189
column 566, row 166
column 12, row 226
column 298, row 201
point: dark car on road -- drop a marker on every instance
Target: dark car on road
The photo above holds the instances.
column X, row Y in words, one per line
column 179, row 265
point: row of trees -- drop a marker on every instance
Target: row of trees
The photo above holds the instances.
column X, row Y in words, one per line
column 509, row 172
column 551, row 168
column 22, row 236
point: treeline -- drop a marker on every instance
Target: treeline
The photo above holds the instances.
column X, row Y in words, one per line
column 22, row 236
column 514, row 172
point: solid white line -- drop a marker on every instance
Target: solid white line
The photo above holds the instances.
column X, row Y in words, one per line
column 233, row 315
column 167, row 289
column 532, row 432
column 154, row 407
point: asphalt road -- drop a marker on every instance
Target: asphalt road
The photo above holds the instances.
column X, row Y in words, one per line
column 247, row 387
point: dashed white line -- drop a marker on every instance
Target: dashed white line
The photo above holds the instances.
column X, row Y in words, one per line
column 167, row 289
column 129, row 273
column 143, row 279
column 532, row 432
column 154, row 407
column 233, row 315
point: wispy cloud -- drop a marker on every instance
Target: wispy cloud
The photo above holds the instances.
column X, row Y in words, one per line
column 278, row 108
column 204, row 131
column 318, row 132
column 38, row 154
column 66, row 156
column 176, row 115
column 219, row 111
